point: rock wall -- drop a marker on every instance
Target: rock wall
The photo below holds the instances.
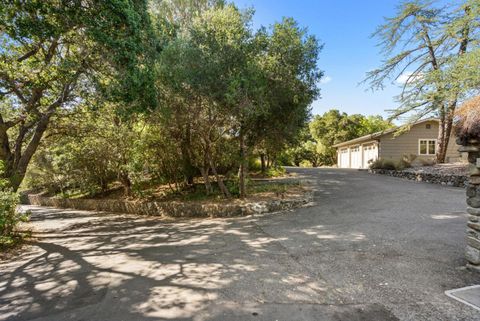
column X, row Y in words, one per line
column 442, row 179
column 174, row 209
column 472, row 252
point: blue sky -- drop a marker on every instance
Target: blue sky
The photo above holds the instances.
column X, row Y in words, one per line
column 344, row 26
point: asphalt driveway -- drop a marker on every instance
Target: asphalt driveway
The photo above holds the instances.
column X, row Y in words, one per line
column 370, row 248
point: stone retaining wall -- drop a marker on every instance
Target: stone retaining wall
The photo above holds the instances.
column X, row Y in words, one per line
column 472, row 252
column 174, row 209
column 449, row 180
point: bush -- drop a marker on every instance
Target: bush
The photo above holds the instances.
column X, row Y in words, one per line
column 275, row 171
column 410, row 158
column 383, row 164
column 405, row 162
column 9, row 216
column 427, row 162
column 305, row 163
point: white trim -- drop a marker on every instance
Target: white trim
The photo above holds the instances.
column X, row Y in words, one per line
column 428, row 140
column 450, row 293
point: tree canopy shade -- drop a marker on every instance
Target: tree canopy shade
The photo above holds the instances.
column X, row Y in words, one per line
column 436, row 50
column 55, row 54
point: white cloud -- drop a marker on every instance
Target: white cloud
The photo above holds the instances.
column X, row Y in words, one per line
column 325, row 80
column 403, row 78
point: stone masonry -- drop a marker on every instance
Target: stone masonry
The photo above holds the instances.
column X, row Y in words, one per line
column 176, row 208
column 473, row 200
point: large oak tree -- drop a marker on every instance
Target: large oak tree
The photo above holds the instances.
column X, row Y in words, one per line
column 54, row 54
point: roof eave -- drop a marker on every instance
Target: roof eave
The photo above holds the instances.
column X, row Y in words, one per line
column 379, row 134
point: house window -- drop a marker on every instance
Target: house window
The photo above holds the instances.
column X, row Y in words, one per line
column 428, row 126
column 427, row 147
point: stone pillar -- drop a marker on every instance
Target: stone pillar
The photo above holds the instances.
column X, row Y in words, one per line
column 472, row 147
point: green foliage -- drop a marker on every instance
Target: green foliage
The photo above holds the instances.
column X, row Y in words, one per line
column 52, row 58
column 275, row 171
column 223, row 83
column 291, row 85
column 9, row 216
column 86, row 152
column 226, row 93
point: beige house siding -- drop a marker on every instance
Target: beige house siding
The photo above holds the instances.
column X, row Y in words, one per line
column 395, row 148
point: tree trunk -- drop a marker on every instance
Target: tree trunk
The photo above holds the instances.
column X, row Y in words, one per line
column 444, row 133
column 262, row 161
column 220, row 183
column 16, row 164
column 206, row 179
column 188, row 168
column 127, row 184
column 242, row 171
column 440, row 158
column 103, row 185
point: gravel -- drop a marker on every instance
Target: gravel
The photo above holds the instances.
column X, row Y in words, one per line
column 459, row 169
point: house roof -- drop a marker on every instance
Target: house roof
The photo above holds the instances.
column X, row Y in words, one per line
column 376, row 135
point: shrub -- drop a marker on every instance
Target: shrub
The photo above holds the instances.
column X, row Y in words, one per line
column 275, row 171
column 405, row 162
column 305, row 163
column 383, row 164
column 233, row 187
column 9, row 216
column 427, row 162
column 402, row 164
column 410, row 158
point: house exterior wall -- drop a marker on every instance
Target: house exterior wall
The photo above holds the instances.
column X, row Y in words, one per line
column 395, row 148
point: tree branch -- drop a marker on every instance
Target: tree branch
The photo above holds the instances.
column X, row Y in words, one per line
column 30, row 53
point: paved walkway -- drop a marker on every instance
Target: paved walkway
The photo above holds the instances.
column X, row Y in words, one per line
column 372, row 248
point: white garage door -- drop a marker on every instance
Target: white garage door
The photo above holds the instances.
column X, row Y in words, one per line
column 356, row 157
column 343, row 161
column 370, row 153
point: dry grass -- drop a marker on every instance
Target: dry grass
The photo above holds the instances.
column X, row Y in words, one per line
column 467, row 120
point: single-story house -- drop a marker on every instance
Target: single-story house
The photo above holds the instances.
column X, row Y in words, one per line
column 420, row 140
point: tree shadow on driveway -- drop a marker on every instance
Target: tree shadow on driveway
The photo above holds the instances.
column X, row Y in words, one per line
column 363, row 254
column 120, row 267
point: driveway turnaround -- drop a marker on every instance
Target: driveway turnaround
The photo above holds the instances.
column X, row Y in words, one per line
column 369, row 248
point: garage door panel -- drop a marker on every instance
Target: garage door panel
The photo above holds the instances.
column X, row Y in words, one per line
column 370, row 153
column 344, row 159
column 356, row 157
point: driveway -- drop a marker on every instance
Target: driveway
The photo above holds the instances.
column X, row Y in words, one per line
column 370, row 248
